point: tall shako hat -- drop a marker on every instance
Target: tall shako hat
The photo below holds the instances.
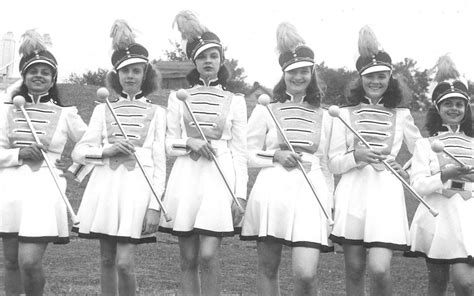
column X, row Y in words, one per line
column 450, row 83
column 372, row 58
column 33, row 51
column 126, row 51
column 293, row 51
column 197, row 37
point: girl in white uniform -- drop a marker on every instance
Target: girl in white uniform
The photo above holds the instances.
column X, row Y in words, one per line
column 196, row 197
column 370, row 208
column 118, row 207
column 448, row 239
column 32, row 212
column 282, row 210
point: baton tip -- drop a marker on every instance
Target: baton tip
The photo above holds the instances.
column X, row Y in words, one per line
column 434, row 213
column 103, row 93
column 167, row 218
column 437, row 146
column 19, row 101
column 334, row 111
column 182, row 95
column 264, row 99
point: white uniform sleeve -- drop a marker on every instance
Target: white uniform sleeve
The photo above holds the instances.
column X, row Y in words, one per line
column 175, row 131
column 425, row 174
column 326, row 129
column 238, row 145
column 8, row 156
column 256, row 137
column 75, row 125
column 341, row 153
column 89, row 149
column 411, row 133
column 159, row 157
column 76, row 128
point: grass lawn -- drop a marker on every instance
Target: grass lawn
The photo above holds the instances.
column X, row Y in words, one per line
column 73, row 269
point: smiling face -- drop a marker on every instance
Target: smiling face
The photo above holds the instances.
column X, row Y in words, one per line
column 131, row 78
column 297, row 80
column 452, row 110
column 375, row 84
column 39, row 79
column 208, row 63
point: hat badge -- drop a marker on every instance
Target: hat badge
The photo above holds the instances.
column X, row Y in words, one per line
column 294, row 54
column 36, row 53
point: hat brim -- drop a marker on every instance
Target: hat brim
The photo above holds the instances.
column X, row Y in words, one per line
column 375, row 68
column 39, row 61
column 454, row 94
column 134, row 60
column 205, row 47
column 299, row 64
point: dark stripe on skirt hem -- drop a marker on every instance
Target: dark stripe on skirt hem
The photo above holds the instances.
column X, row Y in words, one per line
column 342, row 240
column 8, row 234
column 44, row 239
column 199, row 231
column 305, row 244
column 118, row 239
column 468, row 260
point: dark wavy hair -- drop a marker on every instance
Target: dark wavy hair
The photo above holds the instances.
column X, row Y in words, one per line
column 314, row 91
column 53, row 91
column 434, row 123
column 150, row 84
column 397, row 92
column 222, row 76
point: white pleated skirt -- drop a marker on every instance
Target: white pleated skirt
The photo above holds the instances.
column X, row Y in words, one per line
column 447, row 238
column 114, row 205
column 197, row 198
column 370, row 210
column 282, row 208
column 31, row 207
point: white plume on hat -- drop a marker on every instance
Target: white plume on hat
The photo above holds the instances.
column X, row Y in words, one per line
column 446, row 69
column 368, row 43
column 122, row 35
column 189, row 26
column 288, row 38
column 31, row 41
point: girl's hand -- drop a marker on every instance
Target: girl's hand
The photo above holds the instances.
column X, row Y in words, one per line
column 151, row 221
column 201, row 147
column 120, row 147
column 398, row 168
column 32, row 152
column 286, row 158
column 63, row 164
column 237, row 215
column 453, row 171
column 363, row 154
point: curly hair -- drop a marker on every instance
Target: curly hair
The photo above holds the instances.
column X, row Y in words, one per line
column 150, row 84
column 397, row 92
column 434, row 123
column 314, row 91
column 222, row 76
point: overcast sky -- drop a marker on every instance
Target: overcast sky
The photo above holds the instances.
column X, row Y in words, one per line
column 419, row 29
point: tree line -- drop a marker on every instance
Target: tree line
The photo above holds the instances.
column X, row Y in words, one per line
column 336, row 81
